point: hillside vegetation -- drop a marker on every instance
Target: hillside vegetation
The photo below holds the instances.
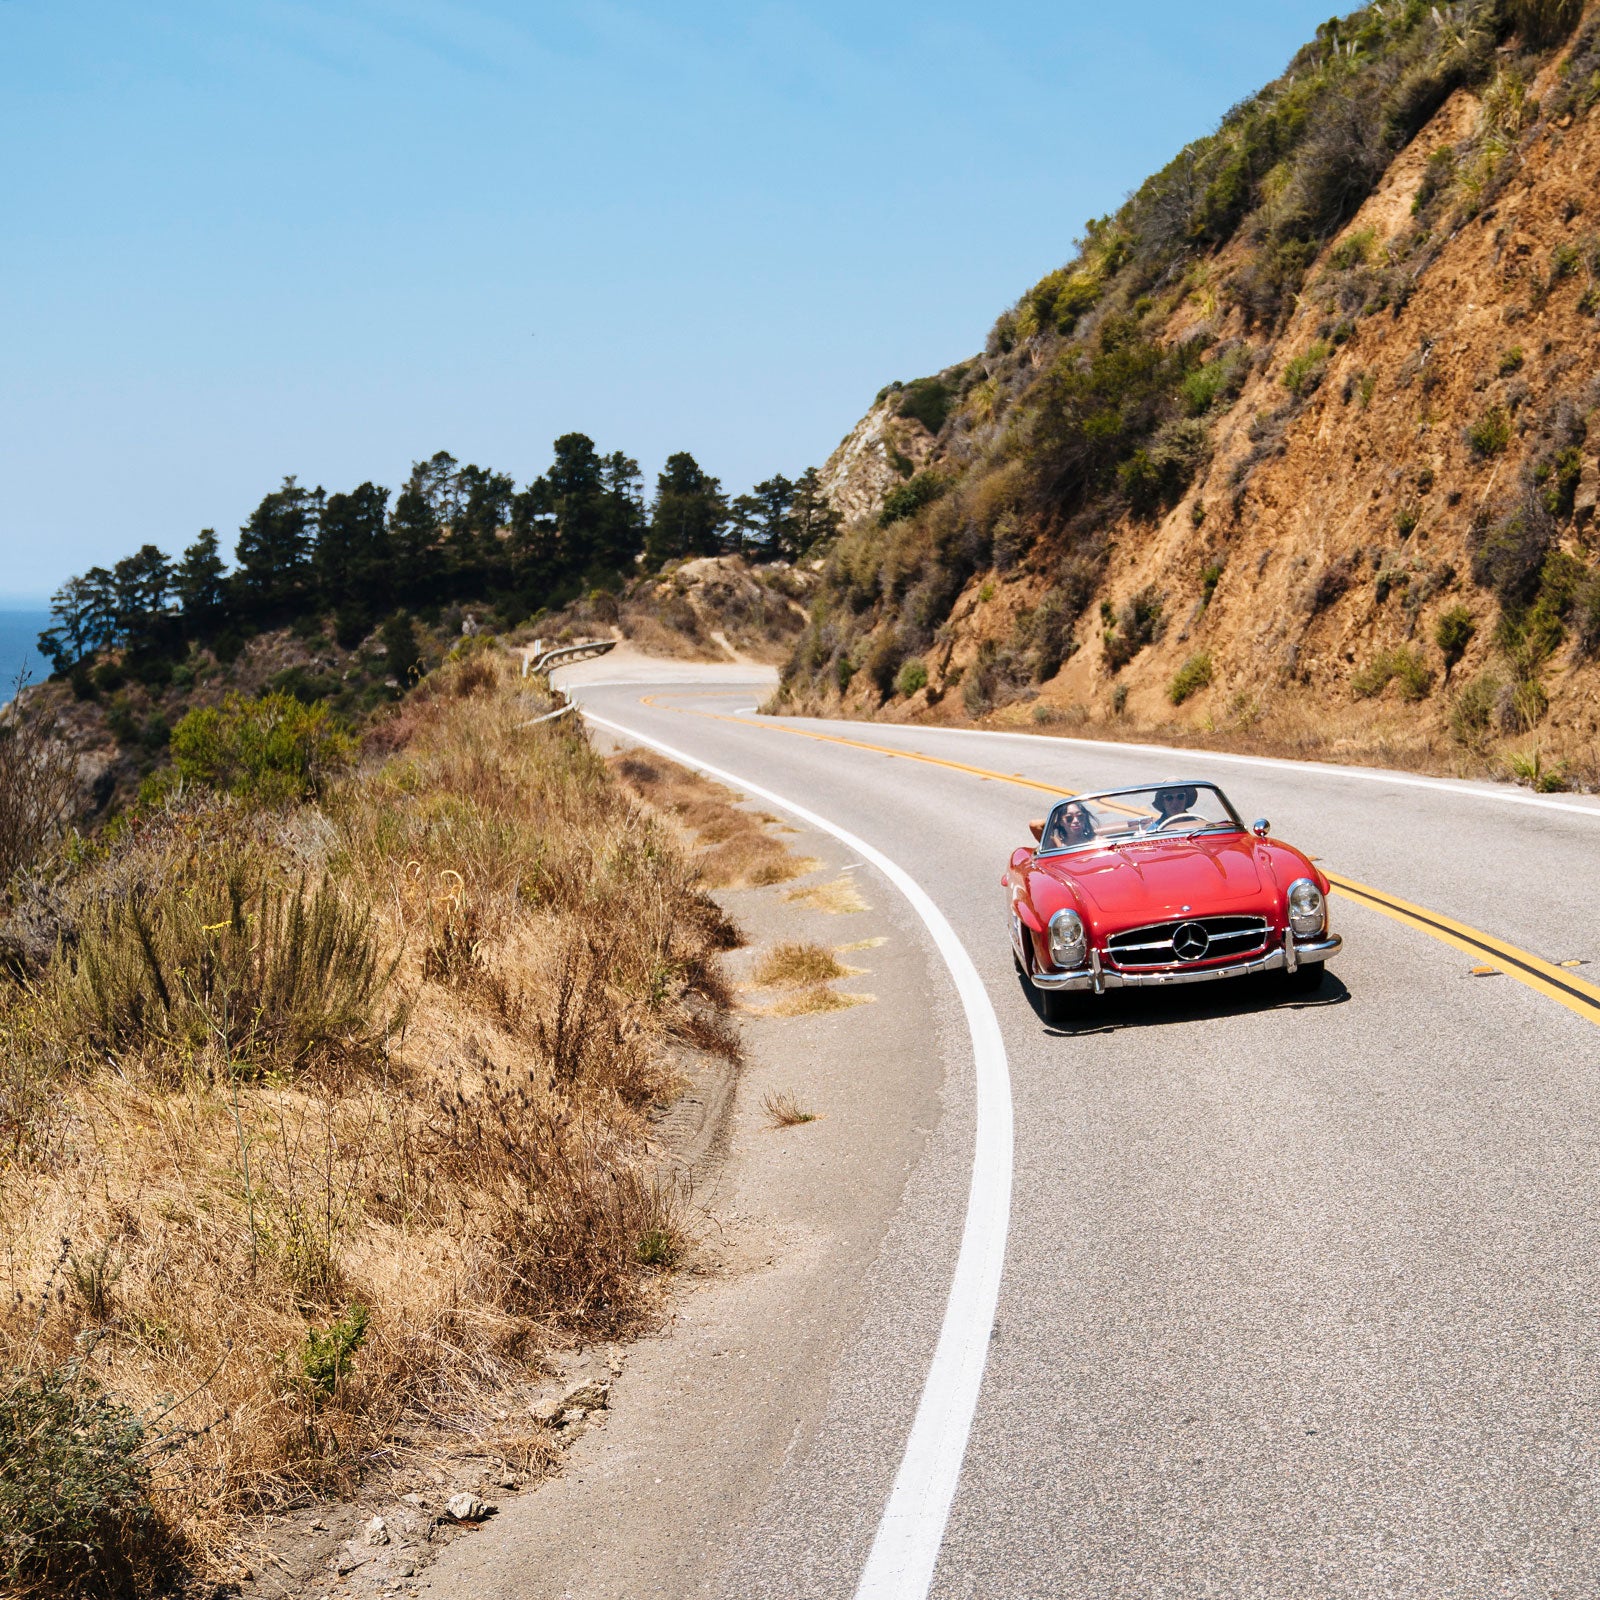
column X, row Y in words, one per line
column 1298, row 450
column 325, row 1079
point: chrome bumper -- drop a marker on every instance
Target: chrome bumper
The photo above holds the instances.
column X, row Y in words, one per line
column 1291, row 954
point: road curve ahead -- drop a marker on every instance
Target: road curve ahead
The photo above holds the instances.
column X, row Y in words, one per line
column 1301, row 1295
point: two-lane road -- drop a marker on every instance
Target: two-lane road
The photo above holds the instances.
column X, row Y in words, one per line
column 1299, row 1297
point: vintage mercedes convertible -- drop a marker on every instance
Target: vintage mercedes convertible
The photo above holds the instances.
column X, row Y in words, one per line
column 1161, row 885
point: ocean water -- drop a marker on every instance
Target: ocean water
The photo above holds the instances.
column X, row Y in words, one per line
column 19, row 635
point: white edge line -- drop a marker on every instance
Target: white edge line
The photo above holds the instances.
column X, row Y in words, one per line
column 905, row 1549
column 1469, row 791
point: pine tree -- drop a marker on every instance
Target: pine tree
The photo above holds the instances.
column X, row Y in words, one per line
column 274, row 552
column 689, row 512
column 352, row 561
column 414, row 533
column 814, row 520
column 774, row 535
column 201, row 588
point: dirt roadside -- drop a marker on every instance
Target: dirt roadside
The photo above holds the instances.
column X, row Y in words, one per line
column 667, row 1484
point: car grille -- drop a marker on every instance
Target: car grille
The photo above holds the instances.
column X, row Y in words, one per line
column 1155, row 946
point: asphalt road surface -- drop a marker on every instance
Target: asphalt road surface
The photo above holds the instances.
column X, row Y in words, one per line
column 1301, row 1295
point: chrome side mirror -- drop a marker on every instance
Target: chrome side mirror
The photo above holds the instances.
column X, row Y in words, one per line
column 1260, row 827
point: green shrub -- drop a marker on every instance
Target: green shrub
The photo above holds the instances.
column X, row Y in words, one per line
column 1558, row 481
column 326, row 1354
column 1210, row 577
column 912, row 677
column 908, row 498
column 1586, row 613
column 1190, row 678
column 1402, row 666
column 1528, row 767
column 1156, row 474
column 1473, row 709
column 1511, row 361
column 1406, row 520
column 1217, row 382
column 1491, row 433
column 1138, row 623
column 884, row 655
column 1305, row 372
column 1453, row 633
column 1354, row 250
column 1508, row 556
column 1436, row 177
column 272, row 751
column 402, row 649
column 1544, row 21
column 75, row 1466
column 926, row 400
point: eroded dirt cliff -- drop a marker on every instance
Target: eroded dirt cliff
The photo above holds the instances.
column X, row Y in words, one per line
column 1356, row 512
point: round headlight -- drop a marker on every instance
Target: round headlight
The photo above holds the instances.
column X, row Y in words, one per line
column 1068, row 946
column 1308, row 912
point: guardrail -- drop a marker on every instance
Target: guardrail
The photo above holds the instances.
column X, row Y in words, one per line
column 541, row 660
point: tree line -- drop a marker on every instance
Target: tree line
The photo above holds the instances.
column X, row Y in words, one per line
column 452, row 534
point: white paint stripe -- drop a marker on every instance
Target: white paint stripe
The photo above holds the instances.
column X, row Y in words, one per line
column 1469, row 791
column 905, row 1550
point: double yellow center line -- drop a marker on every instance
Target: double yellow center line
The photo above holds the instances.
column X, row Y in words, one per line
column 1544, row 977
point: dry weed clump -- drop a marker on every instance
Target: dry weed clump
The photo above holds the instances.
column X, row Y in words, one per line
column 784, row 1110
column 792, row 965
column 813, row 1000
column 342, row 1112
column 839, row 898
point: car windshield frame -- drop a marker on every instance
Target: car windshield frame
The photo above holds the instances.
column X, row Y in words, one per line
column 1100, row 842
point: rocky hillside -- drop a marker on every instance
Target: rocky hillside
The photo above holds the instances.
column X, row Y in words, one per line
column 1298, row 451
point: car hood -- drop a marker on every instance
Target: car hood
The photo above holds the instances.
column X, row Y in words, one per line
column 1146, row 880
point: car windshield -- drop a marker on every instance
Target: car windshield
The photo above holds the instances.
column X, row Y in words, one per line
column 1131, row 816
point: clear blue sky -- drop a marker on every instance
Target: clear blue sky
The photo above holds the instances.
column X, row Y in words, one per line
column 258, row 237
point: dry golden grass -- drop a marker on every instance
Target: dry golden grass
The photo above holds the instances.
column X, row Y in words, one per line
column 784, row 1110
column 862, row 944
column 455, row 1142
column 838, row 898
column 791, row 965
column 813, row 1000
column 736, row 847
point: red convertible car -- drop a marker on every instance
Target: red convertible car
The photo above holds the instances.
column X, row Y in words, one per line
column 1161, row 885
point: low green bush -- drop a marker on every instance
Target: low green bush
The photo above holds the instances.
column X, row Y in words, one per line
column 1473, row 709
column 273, row 751
column 1453, row 633
column 926, row 400
column 1305, row 372
column 908, row 498
column 1156, row 474
column 913, row 676
column 75, row 1468
column 1137, row 623
column 327, row 1353
column 1403, row 667
column 1190, row 678
column 1491, row 433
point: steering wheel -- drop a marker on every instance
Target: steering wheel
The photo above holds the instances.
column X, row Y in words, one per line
column 1174, row 819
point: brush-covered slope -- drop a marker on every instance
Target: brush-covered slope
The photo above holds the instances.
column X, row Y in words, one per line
column 1300, row 445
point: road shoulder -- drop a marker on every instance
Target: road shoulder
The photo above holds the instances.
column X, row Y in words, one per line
column 666, row 1493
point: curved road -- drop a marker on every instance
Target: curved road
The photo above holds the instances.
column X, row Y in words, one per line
column 1300, row 1296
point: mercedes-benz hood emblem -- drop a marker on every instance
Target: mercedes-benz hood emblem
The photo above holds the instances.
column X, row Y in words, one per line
column 1190, row 941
